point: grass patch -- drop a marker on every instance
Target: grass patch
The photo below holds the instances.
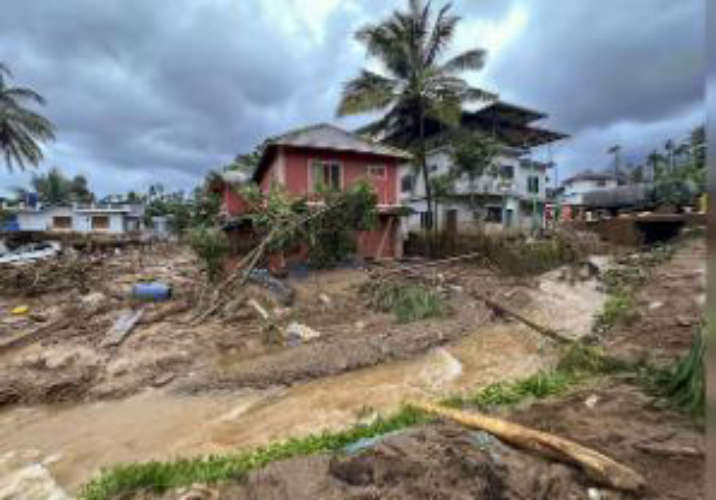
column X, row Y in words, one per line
column 618, row 308
column 408, row 302
column 577, row 364
column 161, row 476
column 683, row 384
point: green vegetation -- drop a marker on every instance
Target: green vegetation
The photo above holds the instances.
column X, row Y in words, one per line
column 415, row 85
column 684, row 383
column 622, row 283
column 578, row 364
column 409, row 302
column 21, row 129
column 211, row 246
column 511, row 255
column 619, row 308
column 161, row 476
column 329, row 232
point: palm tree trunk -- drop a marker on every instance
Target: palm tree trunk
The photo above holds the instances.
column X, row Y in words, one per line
column 424, row 168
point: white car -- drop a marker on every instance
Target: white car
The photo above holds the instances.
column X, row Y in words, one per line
column 31, row 252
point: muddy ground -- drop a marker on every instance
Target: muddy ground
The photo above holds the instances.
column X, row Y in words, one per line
column 67, row 362
column 176, row 388
column 613, row 415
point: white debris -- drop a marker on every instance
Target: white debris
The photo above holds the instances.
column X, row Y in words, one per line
column 655, row 305
column 591, row 401
column 299, row 332
column 325, row 299
column 258, row 308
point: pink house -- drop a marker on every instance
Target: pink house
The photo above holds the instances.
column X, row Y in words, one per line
column 325, row 154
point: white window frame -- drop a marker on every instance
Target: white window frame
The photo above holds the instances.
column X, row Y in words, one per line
column 311, row 161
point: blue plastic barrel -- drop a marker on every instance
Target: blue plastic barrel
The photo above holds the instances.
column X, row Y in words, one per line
column 152, row 291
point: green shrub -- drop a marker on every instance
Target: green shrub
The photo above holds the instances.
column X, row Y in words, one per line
column 684, row 384
column 618, row 308
column 409, row 302
column 211, row 246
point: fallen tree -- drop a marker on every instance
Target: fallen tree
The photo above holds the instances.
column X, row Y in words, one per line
column 598, row 467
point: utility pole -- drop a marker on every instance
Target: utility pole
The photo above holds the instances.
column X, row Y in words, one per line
column 615, row 151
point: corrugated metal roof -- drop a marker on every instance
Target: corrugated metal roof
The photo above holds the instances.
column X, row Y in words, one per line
column 235, row 177
column 327, row 136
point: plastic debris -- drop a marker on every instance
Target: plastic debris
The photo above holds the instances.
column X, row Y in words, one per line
column 20, row 310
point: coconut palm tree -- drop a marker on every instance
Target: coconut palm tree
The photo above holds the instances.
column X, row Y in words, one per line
column 20, row 128
column 52, row 188
column 415, row 85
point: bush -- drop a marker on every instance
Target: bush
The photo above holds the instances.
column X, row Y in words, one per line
column 211, row 246
column 684, row 384
column 409, row 302
column 512, row 255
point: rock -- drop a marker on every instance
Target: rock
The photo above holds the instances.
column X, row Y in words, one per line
column 591, row 401
column 594, row 494
column 197, row 492
column 93, row 300
column 655, row 305
column 456, row 288
column 118, row 367
column 162, row 379
column 55, row 360
column 297, row 332
column 325, row 299
column 359, row 325
column 684, row 321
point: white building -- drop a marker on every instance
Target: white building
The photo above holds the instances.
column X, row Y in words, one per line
column 81, row 218
column 512, row 196
column 574, row 188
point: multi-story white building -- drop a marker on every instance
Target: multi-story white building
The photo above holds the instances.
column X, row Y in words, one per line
column 511, row 195
column 574, row 188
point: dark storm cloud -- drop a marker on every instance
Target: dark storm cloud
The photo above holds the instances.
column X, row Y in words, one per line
column 593, row 63
column 146, row 91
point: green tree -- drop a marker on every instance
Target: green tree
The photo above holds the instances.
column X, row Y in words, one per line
column 52, row 187
column 21, row 129
column 79, row 191
column 473, row 154
column 416, row 85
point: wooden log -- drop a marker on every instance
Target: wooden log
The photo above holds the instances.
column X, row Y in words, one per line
column 548, row 332
column 598, row 467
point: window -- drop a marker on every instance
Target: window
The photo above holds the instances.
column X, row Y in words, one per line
column 507, row 171
column 532, row 184
column 326, row 174
column 100, row 222
column 406, row 183
column 426, row 220
column 377, row 171
column 494, row 214
column 62, row 222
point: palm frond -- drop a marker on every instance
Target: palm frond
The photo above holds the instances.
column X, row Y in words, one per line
column 469, row 60
column 367, row 92
column 443, row 31
column 12, row 94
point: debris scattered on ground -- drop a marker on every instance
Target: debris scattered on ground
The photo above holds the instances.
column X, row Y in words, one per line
column 122, row 327
column 297, row 333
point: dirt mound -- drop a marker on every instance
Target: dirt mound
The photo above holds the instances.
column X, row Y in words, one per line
column 621, row 421
column 438, row 461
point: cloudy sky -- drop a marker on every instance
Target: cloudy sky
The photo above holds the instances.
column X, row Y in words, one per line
column 165, row 90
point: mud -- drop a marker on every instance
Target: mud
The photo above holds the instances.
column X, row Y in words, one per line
column 670, row 306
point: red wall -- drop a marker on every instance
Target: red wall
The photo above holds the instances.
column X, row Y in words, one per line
column 354, row 168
